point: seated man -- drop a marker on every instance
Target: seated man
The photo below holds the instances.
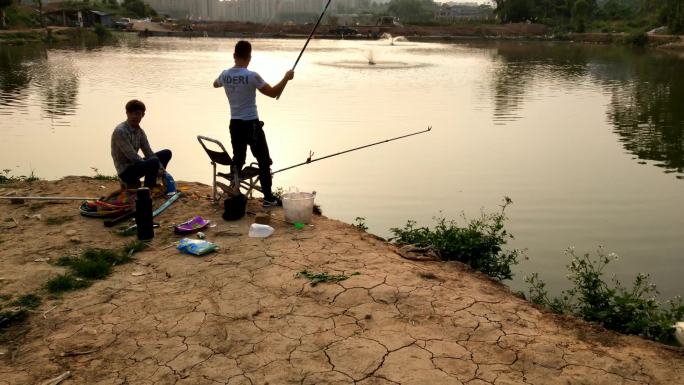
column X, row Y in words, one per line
column 127, row 139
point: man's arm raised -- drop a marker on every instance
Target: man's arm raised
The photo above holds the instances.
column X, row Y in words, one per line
column 278, row 88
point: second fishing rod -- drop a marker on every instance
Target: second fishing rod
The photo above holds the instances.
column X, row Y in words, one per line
column 311, row 160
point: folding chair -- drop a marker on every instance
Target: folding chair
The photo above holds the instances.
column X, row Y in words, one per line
column 247, row 178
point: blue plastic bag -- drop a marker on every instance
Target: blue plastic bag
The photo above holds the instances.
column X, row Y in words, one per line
column 195, row 246
column 170, row 183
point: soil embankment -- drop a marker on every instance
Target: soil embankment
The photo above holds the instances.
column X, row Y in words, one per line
column 242, row 316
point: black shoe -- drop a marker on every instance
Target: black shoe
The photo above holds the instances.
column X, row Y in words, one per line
column 272, row 202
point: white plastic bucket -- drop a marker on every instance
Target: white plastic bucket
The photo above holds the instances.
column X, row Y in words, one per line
column 298, row 206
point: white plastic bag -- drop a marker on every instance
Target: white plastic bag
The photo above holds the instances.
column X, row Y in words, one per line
column 257, row 230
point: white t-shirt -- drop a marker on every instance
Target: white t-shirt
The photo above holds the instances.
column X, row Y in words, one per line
column 240, row 85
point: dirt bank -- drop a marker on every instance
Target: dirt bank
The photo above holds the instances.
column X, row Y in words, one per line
column 242, row 316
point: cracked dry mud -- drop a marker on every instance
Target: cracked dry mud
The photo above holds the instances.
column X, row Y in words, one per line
column 241, row 316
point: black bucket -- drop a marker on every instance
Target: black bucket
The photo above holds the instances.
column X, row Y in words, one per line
column 234, row 207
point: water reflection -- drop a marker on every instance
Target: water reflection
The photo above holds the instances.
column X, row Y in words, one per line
column 15, row 74
column 519, row 67
column 646, row 91
column 57, row 82
column 30, row 69
column 647, row 112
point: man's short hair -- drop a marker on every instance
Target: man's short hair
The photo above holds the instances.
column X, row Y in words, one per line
column 135, row 105
column 243, row 49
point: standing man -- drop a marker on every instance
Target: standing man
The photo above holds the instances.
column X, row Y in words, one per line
column 240, row 85
column 127, row 139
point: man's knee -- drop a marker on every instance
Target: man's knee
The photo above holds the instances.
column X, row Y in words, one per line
column 150, row 165
column 164, row 156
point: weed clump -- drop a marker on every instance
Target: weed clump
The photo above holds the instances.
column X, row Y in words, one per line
column 634, row 310
column 360, row 224
column 7, row 178
column 317, row 278
column 66, row 282
column 16, row 310
column 131, row 248
column 29, row 301
column 479, row 244
column 99, row 176
column 91, row 265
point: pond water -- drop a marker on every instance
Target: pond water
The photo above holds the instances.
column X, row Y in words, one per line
column 586, row 140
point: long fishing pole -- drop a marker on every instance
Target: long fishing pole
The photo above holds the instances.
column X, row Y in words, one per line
column 54, row 198
column 309, row 160
column 313, row 30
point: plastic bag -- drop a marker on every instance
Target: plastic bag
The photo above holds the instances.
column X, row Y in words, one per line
column 170, row 184
column 196, row 246
column 260, row 231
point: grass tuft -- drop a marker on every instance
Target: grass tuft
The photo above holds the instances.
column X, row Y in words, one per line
column 7, row 178
column 91, row 268
column 99, row 176
column 92, row 264
column 30, row 301
column 133, row 247
column 317, row 278
column 65, row 282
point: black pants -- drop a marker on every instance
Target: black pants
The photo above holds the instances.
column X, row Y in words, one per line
column 250, row 133
column 149, row 168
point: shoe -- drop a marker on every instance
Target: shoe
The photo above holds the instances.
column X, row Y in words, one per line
column 272, row 202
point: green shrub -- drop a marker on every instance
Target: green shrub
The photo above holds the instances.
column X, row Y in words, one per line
column 634, row 310
column 637, row 39
column 479, row 244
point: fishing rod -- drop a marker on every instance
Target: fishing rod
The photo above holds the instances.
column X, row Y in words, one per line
column 309, row 160
column 313, row 30
column 55, row 198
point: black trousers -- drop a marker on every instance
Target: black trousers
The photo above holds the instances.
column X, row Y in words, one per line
column 149, row 168
column 250, row 133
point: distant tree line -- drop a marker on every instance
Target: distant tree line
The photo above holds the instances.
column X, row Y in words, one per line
column 578, row 15
column 413, row 11
column 14, row 16
column 571, row 15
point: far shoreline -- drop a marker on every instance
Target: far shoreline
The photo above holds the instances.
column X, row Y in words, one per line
column 511, row 32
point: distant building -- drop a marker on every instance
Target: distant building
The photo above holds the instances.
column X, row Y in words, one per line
column 253, row 10
column 464, row 11
column 97, row 17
